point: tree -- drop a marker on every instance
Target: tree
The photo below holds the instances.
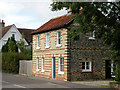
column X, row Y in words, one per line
column 21, row 44
column 103, row 18
column 10, row 46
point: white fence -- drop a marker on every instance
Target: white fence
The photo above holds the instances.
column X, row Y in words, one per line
column 25, row 67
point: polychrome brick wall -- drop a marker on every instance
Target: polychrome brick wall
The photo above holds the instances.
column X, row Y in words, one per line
column 50, row 52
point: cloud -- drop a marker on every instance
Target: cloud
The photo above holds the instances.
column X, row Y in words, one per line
column 27, row 13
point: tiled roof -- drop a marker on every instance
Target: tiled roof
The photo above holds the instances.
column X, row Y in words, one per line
column 4, row 30
column 27, row 34
column 54, row 23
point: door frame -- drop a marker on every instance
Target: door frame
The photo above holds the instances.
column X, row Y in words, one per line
column 53, row 67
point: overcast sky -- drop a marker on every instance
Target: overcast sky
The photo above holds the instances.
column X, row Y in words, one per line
column 27, row 13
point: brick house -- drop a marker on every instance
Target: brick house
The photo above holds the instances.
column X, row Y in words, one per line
column 56, row 56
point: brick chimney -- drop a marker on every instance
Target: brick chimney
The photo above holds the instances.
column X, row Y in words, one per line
column 2, row 23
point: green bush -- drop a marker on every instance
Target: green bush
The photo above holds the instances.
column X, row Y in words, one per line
column 10, row 61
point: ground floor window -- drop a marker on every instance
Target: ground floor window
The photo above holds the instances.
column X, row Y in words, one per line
column 86, row 66
column 113, row 68
column 42, row 64
column 37, row 64
column 61, row 65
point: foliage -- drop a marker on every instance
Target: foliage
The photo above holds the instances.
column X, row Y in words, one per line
column 10, row 61
column 10, row 46
column 21, row 44
column 102, row 17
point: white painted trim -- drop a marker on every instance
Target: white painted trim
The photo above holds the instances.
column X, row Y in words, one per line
column 37, row 42
column 42, row 64
column 37, row 64
column 47, row 40
column 87, row 70
column 58, row 45
column 93, row 35
column 60, row 72
column 13, row 26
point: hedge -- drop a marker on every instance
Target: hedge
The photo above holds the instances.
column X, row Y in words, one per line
column 10, row 61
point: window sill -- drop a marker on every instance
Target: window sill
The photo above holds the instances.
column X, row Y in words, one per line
column 91, row 38
column 37, row 70
column 47, row 47
column 38, row 48
column 61, row 73
column 86, row 71
column 42, row 71
column 59, row 45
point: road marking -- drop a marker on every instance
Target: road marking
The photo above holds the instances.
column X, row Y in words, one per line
column 15, row 84
column 19, row 86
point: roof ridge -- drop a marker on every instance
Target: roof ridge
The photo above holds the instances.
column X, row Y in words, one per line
column 25, row 28
column 58, row 17
column 7, row 26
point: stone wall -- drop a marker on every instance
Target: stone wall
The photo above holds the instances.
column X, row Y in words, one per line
column 88, row 50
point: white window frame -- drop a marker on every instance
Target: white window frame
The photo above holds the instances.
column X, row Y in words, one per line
column 38, row 42
column 47, row 41
column 42, row 64
column 13, row 34
column 87, row 70
column 59, row 68
column 57, row 44
column 37, row 64
column 92, row 35
column 112, row 66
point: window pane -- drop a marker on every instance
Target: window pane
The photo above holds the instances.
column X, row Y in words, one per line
column 59, row 34
column 83, row 65
column 58, row 37
column 37, row 63
column 59, row 41
column 62, row 67
column 87, row 65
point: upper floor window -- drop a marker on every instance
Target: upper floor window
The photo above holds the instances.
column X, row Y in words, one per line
column 58, row 39
column 61, row 65
column 42, row 64
column 92, row 35
column 38, row 42
column 13, row 35
column 86, row 66
column 37, row 64
column 47, row 40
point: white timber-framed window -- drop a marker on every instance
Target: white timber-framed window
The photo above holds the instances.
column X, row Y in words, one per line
column 42, row 64
column 61, row 65
column 13, row 35
column 38, row 42
column 37, row 64
column 113, row 68
column 58, row 39
column 92, row 35
column 47, row 40
column 86, row 66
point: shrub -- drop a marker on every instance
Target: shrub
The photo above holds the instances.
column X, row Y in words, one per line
column 10, row 61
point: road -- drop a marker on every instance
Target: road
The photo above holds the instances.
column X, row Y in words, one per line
column 19, row 81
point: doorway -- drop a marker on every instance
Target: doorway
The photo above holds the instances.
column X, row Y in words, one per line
column 108, row 69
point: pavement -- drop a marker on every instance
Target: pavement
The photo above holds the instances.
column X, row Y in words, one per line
column 20, row 81
column 97, row 83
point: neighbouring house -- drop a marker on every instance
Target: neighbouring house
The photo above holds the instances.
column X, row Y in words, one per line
column 56, row 56
column 13, row 31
